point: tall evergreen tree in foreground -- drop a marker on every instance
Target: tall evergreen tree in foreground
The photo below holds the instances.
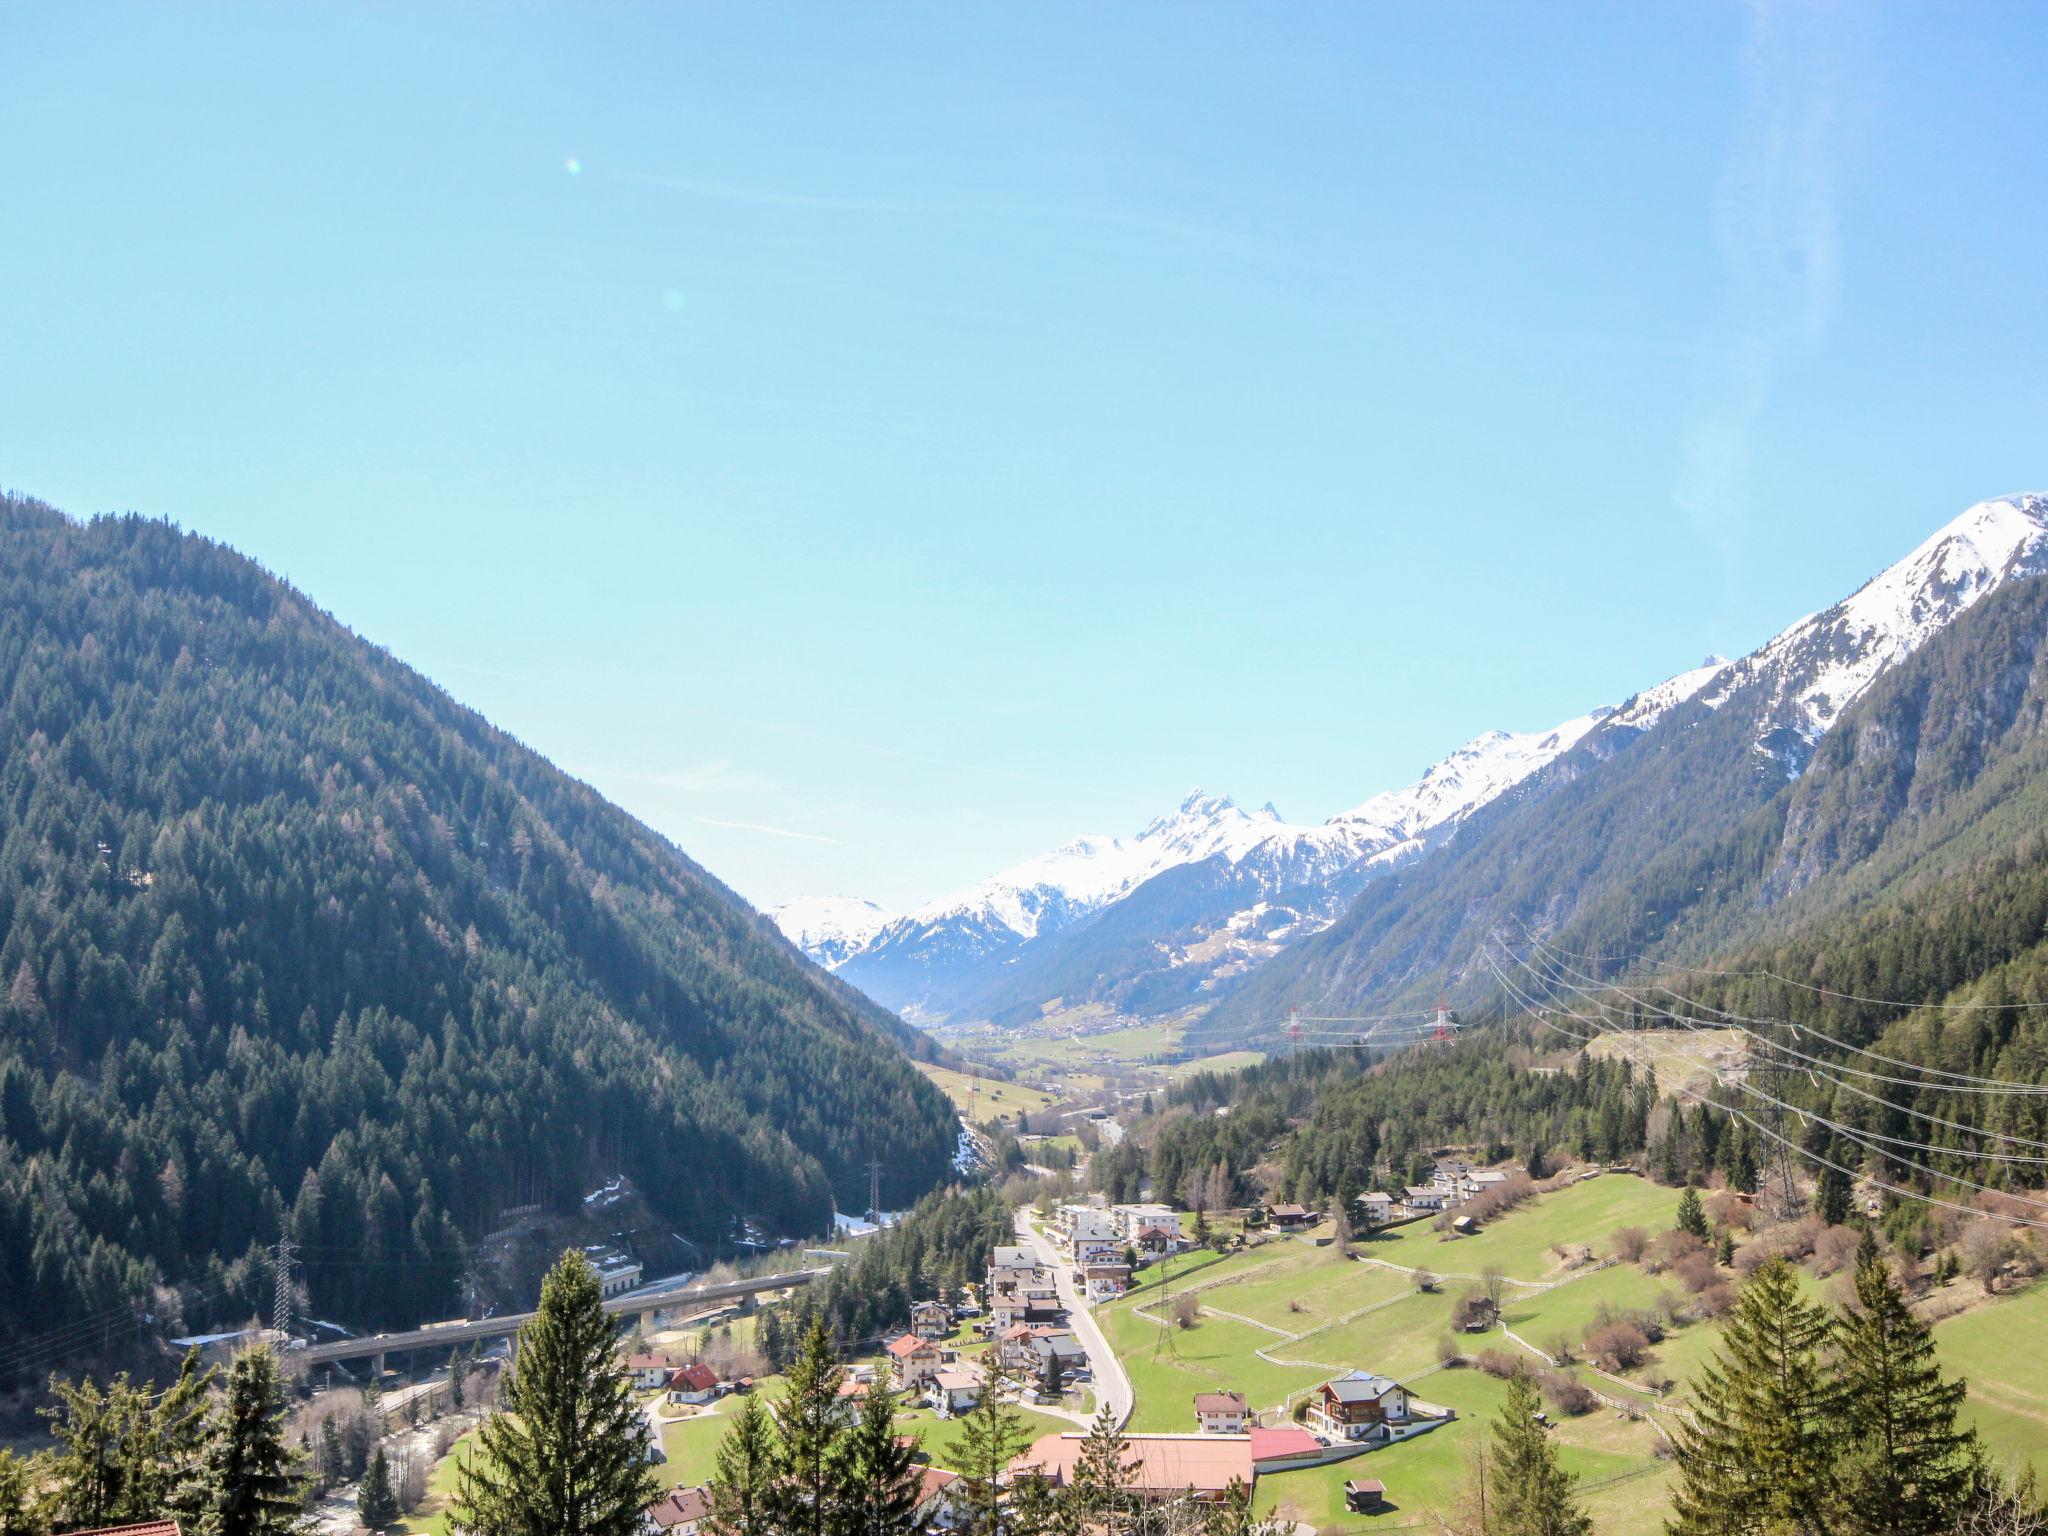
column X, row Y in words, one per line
column 809, row 1490
column 250, row 1478
column 1907, row 1468
column 567, row 1457
column 880, row 1473
column 742, row 1474
column 1759, row 1454
column 1527, row 1492
column 377, row 1503
column 992, row 1436
column 1101, row 1493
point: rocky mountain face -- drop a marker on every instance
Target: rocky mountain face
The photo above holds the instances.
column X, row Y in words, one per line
column 1887, row 737
column 1176, row 913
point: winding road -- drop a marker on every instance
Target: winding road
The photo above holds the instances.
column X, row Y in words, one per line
column 1112, row 1385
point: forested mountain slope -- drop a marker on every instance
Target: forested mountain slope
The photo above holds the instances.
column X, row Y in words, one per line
column 1692, row 839
column 291, row 939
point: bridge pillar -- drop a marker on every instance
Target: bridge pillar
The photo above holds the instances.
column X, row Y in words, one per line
column 748, row 1304
column 377, row 1365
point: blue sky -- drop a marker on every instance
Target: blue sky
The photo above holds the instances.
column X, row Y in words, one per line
column 874, row 443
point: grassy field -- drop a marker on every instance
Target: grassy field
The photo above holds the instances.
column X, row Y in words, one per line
column 1424, row 1476
column 1683, row 1060
column 432, row 1518
column 1588, row 1213
column 1350, row 1315
column 990, row 1098
column 2000, row 1348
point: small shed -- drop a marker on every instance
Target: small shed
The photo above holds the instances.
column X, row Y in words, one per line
column 1365, row 1495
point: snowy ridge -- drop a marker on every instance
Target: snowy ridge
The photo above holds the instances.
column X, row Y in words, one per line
column 1821, row 665
column 1266, row 879
column 831, row 929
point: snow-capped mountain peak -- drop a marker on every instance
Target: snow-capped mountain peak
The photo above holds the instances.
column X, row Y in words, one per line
column 1821, row 665
column 831, row 929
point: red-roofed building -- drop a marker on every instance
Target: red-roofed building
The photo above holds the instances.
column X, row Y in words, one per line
column 696, row 1384
column 1162, row 1466
column 938, row 1505
column 679, row 1512
column 1280, row 1450
column 914, row 1361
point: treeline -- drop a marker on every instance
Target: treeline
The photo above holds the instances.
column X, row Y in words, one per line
column 1338, row 1125
column 939, row 1247
column 289, row 941
column 208, row 1451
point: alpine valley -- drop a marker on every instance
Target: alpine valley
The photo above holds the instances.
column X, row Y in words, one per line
column 1742, row 796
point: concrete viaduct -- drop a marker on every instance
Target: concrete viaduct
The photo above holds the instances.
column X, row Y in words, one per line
column 643, row 1303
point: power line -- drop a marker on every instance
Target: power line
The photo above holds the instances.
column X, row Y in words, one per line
column 1539, row 1011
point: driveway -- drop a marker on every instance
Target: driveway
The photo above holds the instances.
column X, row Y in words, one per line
column 1112, row 1386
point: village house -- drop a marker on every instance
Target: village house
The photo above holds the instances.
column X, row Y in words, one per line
column 617, row 1270
column 853, row 1397
column 679, row 1512
column 1219, row 1413
column 1358, row 1406
column 931, row 1319
column 1055, row 1356
column 694, row 1384
column 938, row 1500
column 1480, row 1183
column 913, row 1360
column 1132, row 1220
column 1291, row 1218
column 954, row 1391
column 1087, row 1233
column 1376, row 1209
column 1422, row 1197
column 1170, row 1466
column 651, row 1371
column 1156, row 1243
column 1105, row 1282
column 1014, row 1347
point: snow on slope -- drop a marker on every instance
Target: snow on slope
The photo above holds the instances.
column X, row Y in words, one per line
column 1093, row 871
column 831, row 929
column 1825, row 662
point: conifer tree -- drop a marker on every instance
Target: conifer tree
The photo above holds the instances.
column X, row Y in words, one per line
column 1759, row 1453
column 377, row 1502
column 1692, row 1216
column 22, row 1512
column 1101, row 1491
column 881, row 1482
column 1527, row 1492
column 1908, row 1468
column 992, row 1436
column 250, row 1480
column 567, row 1457
column 87, row 1426
column 744, row 1469
column 809, row 1487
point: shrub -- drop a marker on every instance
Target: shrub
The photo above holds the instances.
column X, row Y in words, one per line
column 1425, row 1281
column 1471, row 1311
column 1561, row 1348
column 1186, row 1309
column 1834, row 1249
column 1617, row 1346
column 1498, row 1362
column 1567, row 1394
column 1631, row 1243
column 1716, row 1300
column 1697, row 1271
column 1447, row 1351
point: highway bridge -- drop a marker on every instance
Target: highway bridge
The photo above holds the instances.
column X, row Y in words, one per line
column 643, row 1303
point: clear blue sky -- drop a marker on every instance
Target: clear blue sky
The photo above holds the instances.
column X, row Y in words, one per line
column 874, row 443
